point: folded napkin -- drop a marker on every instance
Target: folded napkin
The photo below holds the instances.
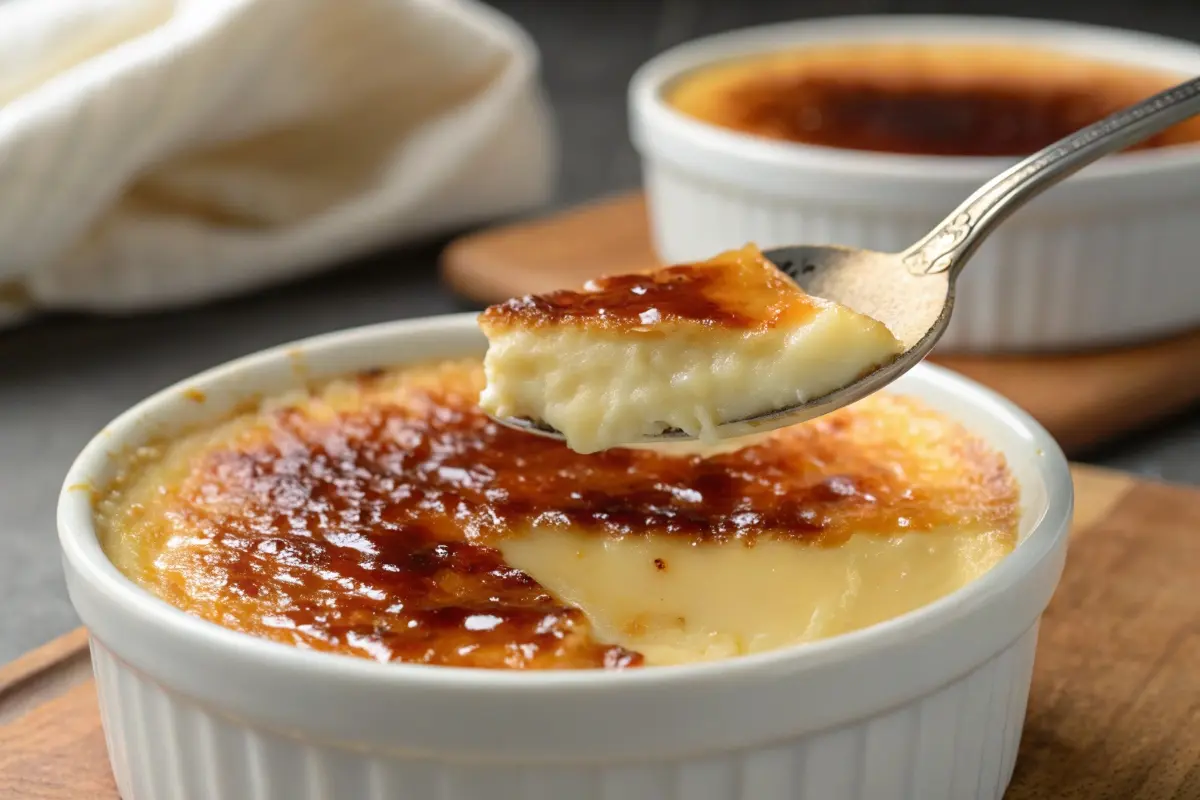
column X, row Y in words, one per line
column 159, row 152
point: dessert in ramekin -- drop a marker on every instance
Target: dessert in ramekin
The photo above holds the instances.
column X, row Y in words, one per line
column 924, row 705
column 866, row 131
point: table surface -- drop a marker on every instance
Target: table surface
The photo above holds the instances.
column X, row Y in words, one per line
column 63, row 378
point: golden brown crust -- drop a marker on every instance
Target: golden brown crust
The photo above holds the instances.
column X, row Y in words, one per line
column 921, row 99
column 737, row 290
column 372, row 530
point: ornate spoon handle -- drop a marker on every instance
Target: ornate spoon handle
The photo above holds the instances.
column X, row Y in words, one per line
column 957, row 237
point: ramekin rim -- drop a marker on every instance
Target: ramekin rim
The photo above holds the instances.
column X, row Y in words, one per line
column 80, row 547
column 649, row 109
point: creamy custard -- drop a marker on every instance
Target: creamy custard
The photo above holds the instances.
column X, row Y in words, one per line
column 386, row 517
column 688, row 347
column 943, row 99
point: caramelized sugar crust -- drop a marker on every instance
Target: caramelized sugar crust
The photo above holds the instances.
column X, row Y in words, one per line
column 921, row 99
column 739, row 290
column 364, row 519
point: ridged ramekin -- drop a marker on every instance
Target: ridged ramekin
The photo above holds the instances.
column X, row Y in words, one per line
column 1108, row 257
column 927, row 706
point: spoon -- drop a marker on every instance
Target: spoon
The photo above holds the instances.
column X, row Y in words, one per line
column 912, row 292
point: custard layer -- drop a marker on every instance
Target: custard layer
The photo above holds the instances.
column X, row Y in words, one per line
column 687, row 347
column 387, row 517
column 966, row 98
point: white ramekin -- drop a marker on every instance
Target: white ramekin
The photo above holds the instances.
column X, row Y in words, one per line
column 928, row 706
column 1108, row 257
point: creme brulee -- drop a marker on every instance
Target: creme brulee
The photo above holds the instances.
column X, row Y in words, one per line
column 686, row 347
column 945, row 99
column 385, row 516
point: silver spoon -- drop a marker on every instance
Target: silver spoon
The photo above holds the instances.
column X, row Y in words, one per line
column 912, row 292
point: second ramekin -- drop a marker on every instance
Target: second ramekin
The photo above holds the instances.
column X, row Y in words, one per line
column 1106, row 258
column 927, row 706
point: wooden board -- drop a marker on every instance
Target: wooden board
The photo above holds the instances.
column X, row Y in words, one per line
column 1083, row 399
column 1114, row 713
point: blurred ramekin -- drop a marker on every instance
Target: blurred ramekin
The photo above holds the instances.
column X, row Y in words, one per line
column 928, row 706
column 1108, row 257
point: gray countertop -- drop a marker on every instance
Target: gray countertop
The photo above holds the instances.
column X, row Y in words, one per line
column 63, row 378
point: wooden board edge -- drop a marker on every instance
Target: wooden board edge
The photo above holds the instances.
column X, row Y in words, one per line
column 459, row 269
column 1097, row 492
column 43, row 674
column 45, row 657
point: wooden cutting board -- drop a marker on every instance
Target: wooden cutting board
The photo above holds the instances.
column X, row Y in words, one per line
column 1082, row 399
column 1114, row 713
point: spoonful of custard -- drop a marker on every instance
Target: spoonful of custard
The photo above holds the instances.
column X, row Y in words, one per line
column 750, row 341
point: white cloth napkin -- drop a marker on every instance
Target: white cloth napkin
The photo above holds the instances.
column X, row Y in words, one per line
column 159, row 152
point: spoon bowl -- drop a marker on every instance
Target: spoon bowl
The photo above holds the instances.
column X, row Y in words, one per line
column 912, row 292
